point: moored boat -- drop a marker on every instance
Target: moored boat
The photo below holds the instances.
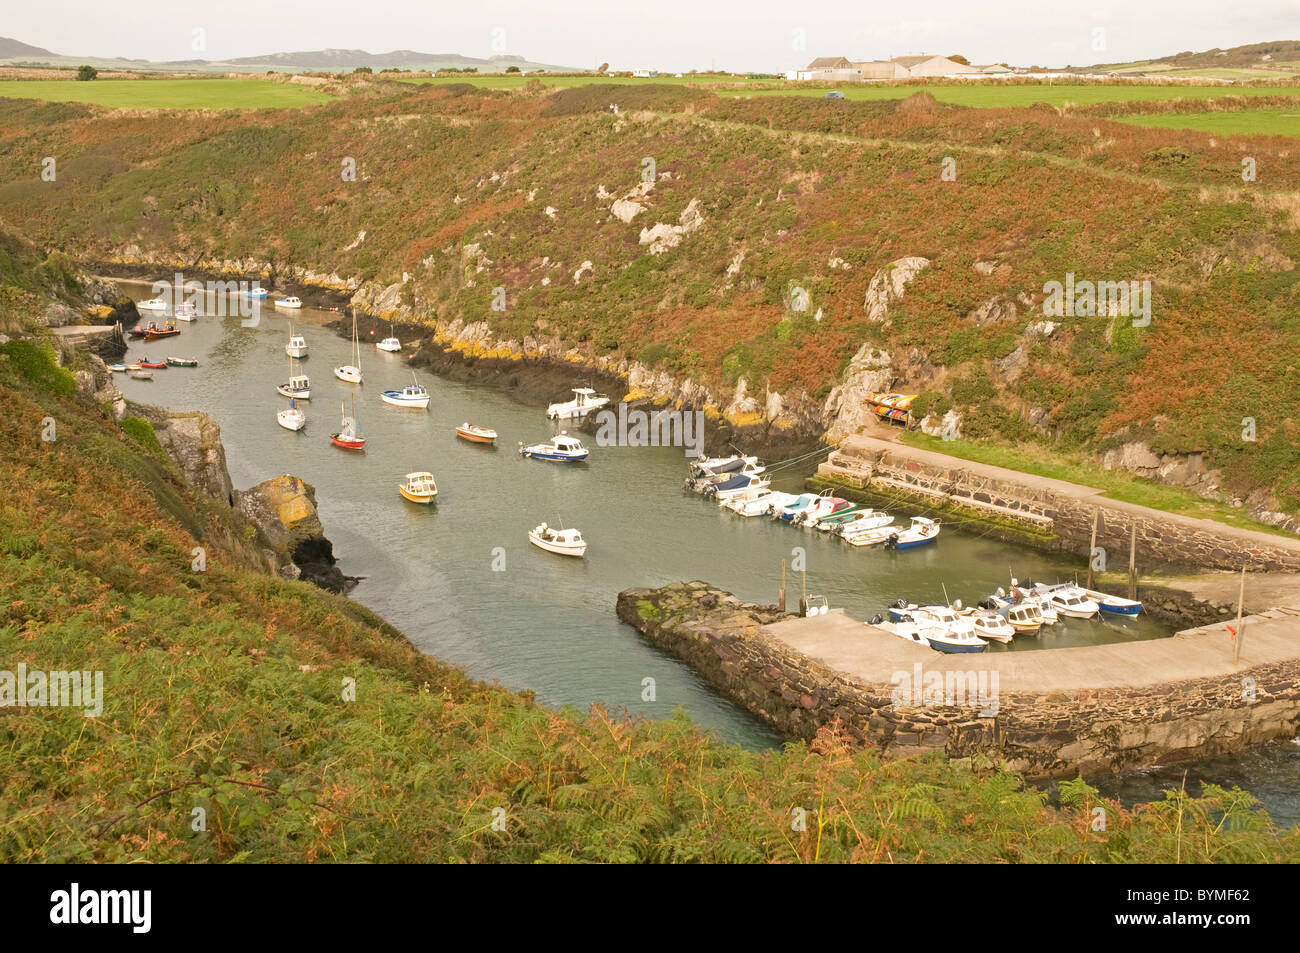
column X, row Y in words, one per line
column 152, row 304
column 293, row 302
column 292, row 417
column 796, row 506
column 1113, row 605
column 151, row 365
column 351, row 373
column 475, row 434
column 186, row 311
column 566, row 542
column 390, row 344
column 349, row 434
column 116, row 368
column 257, row 291
column 585, row 400
column 298, row 387
column 987, row 623
column 153, row 333
column 760, row 505
column 857, row 521
column 418, row 487
column 561, row 448
column 141, row 375
column 413, row 394
column 1067, row 599
column 737, row 485
column 297, row 346
column 182, row 362
column 922, row 531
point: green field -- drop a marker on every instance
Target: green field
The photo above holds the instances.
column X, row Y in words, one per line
column 167, row 93
column 992, row 94
column 1243, row 122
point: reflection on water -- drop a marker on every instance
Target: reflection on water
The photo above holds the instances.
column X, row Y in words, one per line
column 546, row 622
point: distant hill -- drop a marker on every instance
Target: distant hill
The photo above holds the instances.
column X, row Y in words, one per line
column 397, row 59
column 306, row 60
column 10, row 49
column 1274, row 55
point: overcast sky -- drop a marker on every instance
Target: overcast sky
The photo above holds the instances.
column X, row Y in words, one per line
column 663, row 34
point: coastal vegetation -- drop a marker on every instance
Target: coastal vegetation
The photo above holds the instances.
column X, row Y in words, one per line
column 690, row 264
column 251, row 718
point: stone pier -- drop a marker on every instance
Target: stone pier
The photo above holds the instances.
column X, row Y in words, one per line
column 1046, row 713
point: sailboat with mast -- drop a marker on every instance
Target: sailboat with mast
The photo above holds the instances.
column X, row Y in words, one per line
column 349, row 435
column 292, row 417
column 351, row 373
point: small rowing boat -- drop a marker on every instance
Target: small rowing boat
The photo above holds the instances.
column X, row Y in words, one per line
column 182, row 362
column 1113, row 605
column 474, row 434
column 418, row 487
column 117, row 368
column 141, row 375
column 151, row 365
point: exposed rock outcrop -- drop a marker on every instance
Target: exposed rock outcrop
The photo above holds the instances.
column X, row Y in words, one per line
column 888, row 283
column 663, row 237
column 193, row 440
column 284, row 509
column 871, row 371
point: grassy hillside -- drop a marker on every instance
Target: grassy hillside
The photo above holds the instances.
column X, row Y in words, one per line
column 167, row 93
column 454, row 185
column 226, row 735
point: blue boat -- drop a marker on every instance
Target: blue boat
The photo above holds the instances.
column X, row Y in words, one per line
column 561, row 449
column 255, row 292
column 922, row 532
column 1114, row 605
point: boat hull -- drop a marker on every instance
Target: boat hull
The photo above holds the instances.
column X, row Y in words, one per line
column 295, row 394
column 290, row 423
column 421, row 498
column 559, row 549
column 474, row 437
column 554, row 457
column 397, row 400
column 182, row 362
column 358, row 444
column 1111, row 609
column 348, row 374
column 949, row 648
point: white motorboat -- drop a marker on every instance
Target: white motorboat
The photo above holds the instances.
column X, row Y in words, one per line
column 152, row 304
column 1068, row 600
column 1113, row 605
column 186, row 311
column 1018, row 595
column 743, row 484
column 413, row 394
column 722, row 464
column 987, row 623
column 819, row 508
column 390, row 343
column 293, row 302
column 794, row 507
column 297, row 346
column 566, row 542
column 297, row 387
column 858, row 521
column 759, row 505
column 585, row 400
column 561, row 448
column 918, row 633
column 292, row 417
column 351, row 373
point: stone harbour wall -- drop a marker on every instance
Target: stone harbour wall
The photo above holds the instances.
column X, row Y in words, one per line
column 1056, row 520
column 1060, row 734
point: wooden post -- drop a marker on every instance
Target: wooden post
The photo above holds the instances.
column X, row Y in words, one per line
column 780, row 603
column 1132, row 563
column 1092, row 544
column 1241, row 600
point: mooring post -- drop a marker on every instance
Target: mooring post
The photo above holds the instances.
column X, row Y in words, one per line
column 1132, row 562
column 1241, row 600
column 780, row 602
column 803, row 598
column 1092, row 544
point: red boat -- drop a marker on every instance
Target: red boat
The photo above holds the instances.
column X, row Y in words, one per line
column 153, row 333
column 349, row 435
column 152, row 365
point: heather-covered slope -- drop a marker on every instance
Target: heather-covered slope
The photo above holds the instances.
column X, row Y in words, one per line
column 687, row 232
column 250, row 718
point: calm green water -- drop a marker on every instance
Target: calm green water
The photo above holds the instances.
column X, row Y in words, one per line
column 547, row 622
